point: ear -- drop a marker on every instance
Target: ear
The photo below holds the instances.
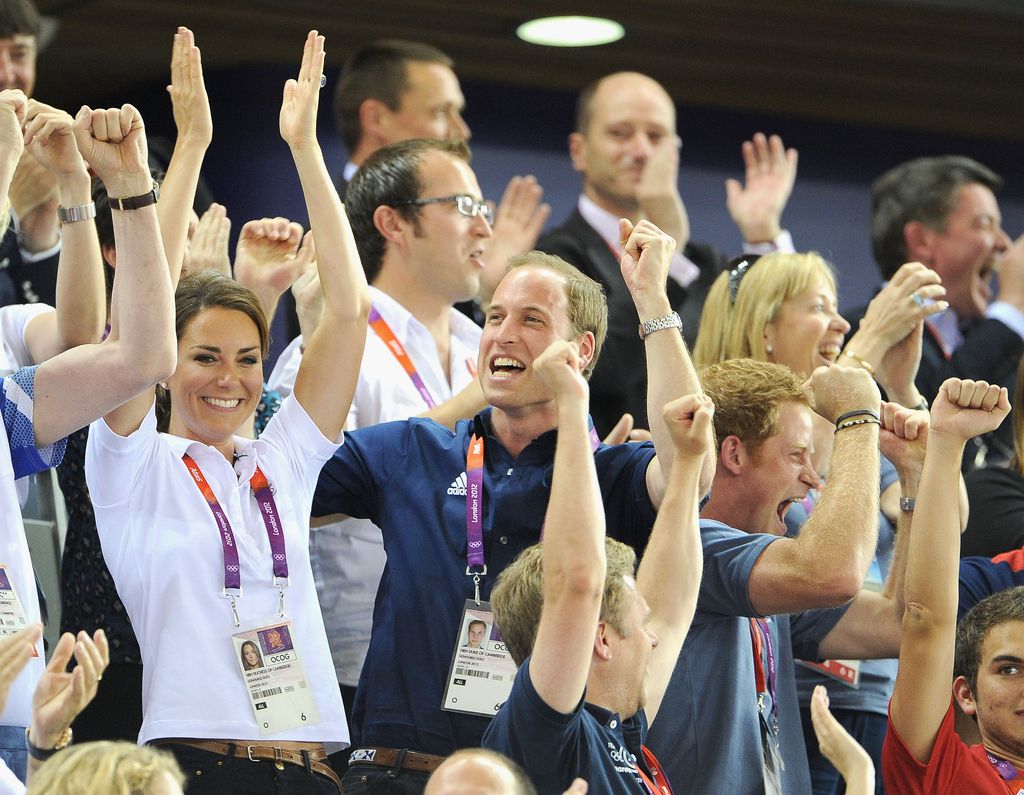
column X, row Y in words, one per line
column 586, row 349
column 733, row 454
column 919, row 241
column 964, row 697
column 389, row 223
column 109, row 255
column 770, row 337
column 578, row 151
column 601, row 647
column 373, row 119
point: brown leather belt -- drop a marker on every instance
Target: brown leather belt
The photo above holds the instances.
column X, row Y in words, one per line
column 396, row 759
column 265, row 753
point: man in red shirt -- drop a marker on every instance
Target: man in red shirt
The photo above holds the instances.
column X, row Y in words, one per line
column 922, row 752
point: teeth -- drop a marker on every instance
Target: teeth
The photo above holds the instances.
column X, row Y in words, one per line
column 503, row 361
column 221, row 403
column 830, row 351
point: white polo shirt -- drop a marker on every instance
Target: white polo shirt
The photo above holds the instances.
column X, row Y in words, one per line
column 348, row 556
column 164, row 551
column 14, row 319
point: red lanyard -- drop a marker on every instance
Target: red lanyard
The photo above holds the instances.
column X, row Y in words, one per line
column 657, row 783
column 264, row 497
column 383, row 330
column 761, row 640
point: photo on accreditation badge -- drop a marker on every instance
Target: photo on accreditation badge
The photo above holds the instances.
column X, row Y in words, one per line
column 475, row 633
column 5, row 584
column 251, row 657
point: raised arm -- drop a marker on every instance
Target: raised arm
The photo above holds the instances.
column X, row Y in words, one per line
column 670, row 571
column 330, row 365
column 81, row 297
column 140, row 349
column 195, row 131
column 871, row 627
column 271, row 254
column 756, row 206
column 825, row 565
column 921, row 695
column 574, row 555
column 657, row 192
column 670, row 372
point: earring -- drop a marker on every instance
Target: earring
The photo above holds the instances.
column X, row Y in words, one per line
column 769, row 349
column 163, row 385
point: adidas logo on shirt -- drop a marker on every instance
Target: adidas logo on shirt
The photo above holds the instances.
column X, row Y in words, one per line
column 458, row 487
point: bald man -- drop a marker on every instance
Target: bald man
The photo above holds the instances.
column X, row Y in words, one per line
column 626, row 149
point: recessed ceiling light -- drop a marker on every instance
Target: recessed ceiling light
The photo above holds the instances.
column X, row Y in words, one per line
column 570, row 31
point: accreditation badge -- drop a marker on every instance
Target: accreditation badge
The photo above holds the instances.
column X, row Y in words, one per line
column 482, row 670
column 278, row 689
column 12, row 614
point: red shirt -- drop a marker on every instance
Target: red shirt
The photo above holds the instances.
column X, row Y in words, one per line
column 954, row 768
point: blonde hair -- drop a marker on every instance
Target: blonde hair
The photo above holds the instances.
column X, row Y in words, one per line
column 104, row 768
column 518, row 596
column 733, row 320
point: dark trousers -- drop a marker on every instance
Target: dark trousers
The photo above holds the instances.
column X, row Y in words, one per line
column 867, row 728
column 208, row 773
column 361, row 779
column 116, row 712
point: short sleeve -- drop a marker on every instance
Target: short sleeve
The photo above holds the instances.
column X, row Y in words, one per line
column 729, row 558
column 807, row 629
column 622, row 474
column 17, row 392
column 114, row 463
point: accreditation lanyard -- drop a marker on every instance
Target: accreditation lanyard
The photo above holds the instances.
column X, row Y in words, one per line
column 383, row 330
column 761, row 639
column 476, row 566
column 1007, row 772
column 271, row 520
column 656, row 783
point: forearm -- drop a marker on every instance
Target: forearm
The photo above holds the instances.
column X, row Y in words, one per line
column 670, row 571
column 40, row 228
column 670, row 374
column 931, row 588
column 838, row 541
column 81, row 292
column 669, row 214
column 143, row 294
column 177, row 195
column 341, row 274
column 462, row 405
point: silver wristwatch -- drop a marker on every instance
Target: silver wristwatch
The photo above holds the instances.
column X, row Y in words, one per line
column 660, row 323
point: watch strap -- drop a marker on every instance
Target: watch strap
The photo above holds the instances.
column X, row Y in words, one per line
column 136, row 202
column 81, row 212
column 661, row 323
column 42, row 754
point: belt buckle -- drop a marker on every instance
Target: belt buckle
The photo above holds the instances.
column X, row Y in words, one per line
column 248, row 753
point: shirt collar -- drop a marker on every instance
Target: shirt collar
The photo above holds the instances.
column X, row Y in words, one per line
column 349, row 171
column 605, row 223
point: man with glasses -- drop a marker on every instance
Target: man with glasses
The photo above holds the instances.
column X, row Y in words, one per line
column 627, row 150
column 420, row 225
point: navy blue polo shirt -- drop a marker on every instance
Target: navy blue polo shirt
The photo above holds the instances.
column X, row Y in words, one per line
column 554, row 748
column 409, row 478
column 982, row 577
column 707, row 733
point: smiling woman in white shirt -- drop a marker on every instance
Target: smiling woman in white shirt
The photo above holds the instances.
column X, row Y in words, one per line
column 206, row 533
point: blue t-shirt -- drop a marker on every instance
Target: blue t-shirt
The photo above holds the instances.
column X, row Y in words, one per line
column 982, row 577
column 876, row 676
column 554, row 748
column 409, row 478
column 707, row 732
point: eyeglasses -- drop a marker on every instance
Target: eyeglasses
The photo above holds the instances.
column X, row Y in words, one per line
column 463, row 202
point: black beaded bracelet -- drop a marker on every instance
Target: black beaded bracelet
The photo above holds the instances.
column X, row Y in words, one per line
column 858, row 413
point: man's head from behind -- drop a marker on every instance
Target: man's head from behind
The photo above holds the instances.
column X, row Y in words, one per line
column 477, row 771
column 435, row 237
column 621, row 120
column 518, row 597
column 989, row 667
column 941, row 211
column 763, row 427
column 392, row 90
column 19, row 29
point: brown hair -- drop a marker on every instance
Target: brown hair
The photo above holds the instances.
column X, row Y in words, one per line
column 747, row 395
column 586, row 306
column 518, row 596
column 974, row 627
column 203, row 290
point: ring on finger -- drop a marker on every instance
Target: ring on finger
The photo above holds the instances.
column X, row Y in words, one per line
column 917, row 299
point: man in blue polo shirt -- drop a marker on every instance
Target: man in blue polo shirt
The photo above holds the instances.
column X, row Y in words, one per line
column 596, row 648
column 731, row 721
column 415, row 479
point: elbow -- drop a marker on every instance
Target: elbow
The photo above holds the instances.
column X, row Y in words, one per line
column 841, row 588
column 583, row 584
column 160, row 358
